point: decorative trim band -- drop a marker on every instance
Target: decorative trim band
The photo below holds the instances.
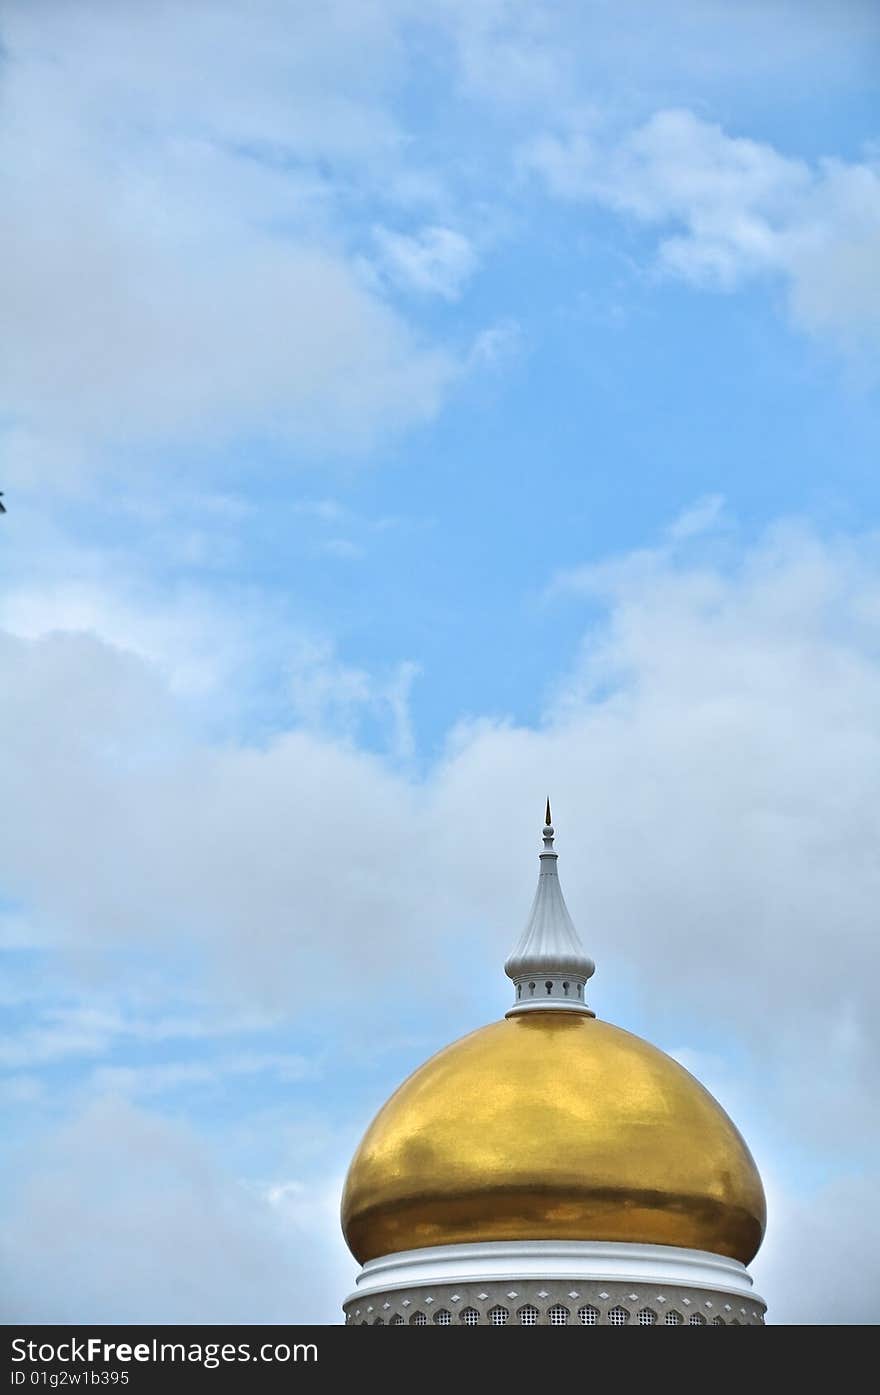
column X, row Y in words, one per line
column 584, row 1260
column 553, row 1303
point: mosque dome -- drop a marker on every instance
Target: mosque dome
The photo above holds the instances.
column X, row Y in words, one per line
column 551, row 1125
column 556, row 1153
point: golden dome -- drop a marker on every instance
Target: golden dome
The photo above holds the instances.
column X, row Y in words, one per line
column 552, row 1126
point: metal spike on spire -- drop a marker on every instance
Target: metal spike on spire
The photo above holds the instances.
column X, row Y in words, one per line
column 548, row 966
column 547, row 818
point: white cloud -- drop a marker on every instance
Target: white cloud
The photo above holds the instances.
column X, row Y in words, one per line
column 88, row 1034
column 172, row 264
column 194, row 648
column 728, row 208
column 188, row 203
column 60, row 1030
column 433, row 261
column 21, row 1089
column 230, row 655
column 702, row 517
column 343, row 548
column 677, row 739
column 333, row 697
column 169, row 1234
column 325, row 510
column 519, row 55
column 496, row 345
column 512, row 53
column 138, row 1081
column 821, row 1258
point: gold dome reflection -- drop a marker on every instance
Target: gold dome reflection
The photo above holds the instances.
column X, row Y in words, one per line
column 552, row 1126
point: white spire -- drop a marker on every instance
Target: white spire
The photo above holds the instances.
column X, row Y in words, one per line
column 548, row 966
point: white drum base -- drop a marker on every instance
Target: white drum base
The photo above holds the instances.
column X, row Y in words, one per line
column 555, row 1283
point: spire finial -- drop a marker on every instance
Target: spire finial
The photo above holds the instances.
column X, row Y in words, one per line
column 548, row 830
column 548, row 966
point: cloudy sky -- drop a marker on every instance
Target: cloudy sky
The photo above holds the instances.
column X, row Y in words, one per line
column 408, row 410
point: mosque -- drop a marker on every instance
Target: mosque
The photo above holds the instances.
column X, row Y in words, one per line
column 552, row 1169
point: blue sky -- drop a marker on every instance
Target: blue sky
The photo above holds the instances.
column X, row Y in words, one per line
column 406, row 411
